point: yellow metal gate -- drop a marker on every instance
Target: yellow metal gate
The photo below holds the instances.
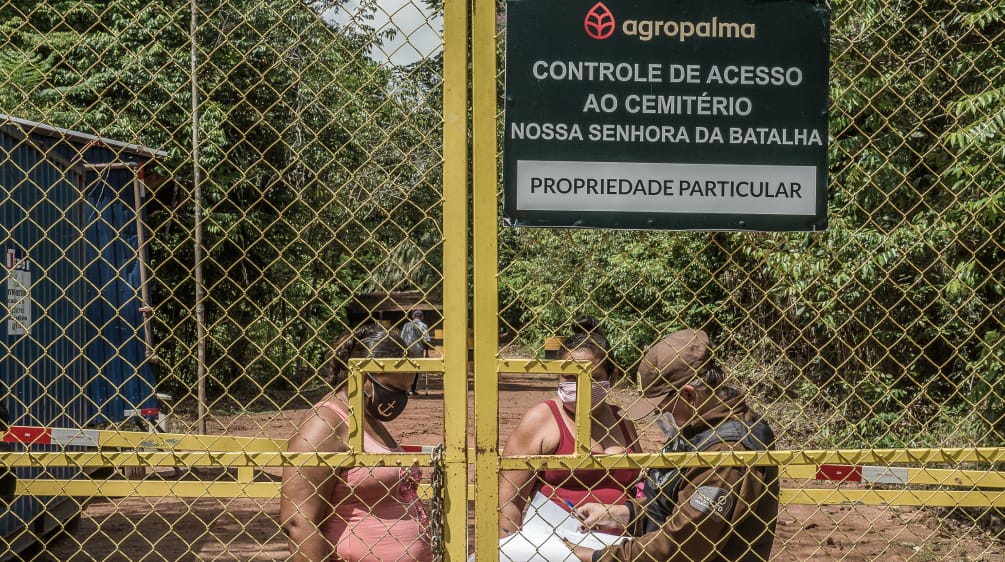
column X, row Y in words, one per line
column 201, row 197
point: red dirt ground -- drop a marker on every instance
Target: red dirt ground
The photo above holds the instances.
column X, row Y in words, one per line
column 169, row 529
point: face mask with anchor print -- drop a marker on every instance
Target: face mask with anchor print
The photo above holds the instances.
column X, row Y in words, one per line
column 385, row 404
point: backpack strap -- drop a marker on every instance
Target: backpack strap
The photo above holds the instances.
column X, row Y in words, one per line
column 757, row 437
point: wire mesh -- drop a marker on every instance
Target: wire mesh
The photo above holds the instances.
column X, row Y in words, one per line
column 879, row 334
column 281, row 162
column 201, row 196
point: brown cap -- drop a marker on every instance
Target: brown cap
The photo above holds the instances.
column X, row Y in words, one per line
column 671, row 363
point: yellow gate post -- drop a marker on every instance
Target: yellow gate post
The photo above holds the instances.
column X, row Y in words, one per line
column 485, row 242
column 455, row 271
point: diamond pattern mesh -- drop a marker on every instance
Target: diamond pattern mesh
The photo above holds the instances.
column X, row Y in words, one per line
column 202, row 196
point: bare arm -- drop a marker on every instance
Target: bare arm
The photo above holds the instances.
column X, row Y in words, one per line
column 531, row 437
column 306, row 497
column 595, row 515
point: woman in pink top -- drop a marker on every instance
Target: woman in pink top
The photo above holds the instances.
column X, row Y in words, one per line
column 548, row 429
column 360, row 513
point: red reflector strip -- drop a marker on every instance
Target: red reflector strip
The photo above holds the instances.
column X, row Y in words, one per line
column 143, row 412
column 29, row 435
column 842, row 472
column 416, row 448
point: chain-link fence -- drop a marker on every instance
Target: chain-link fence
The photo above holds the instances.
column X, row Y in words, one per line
column 203, row 197
column 200, row 198
column 883, row 333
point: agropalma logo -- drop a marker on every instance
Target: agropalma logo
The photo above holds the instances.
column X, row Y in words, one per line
column 600, row 24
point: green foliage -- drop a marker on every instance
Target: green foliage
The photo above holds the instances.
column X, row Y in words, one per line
column 307, row 150
column 639, row 285
column 908, row 276
column 889, row 318
column 985, row 386
column 321, row 173
column 25, row 71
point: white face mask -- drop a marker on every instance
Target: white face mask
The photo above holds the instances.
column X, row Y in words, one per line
column 567, row 393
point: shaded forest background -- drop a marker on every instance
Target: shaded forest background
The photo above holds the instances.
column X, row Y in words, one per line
column 321, row 180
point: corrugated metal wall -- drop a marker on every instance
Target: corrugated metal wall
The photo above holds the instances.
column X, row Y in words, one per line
column 121, row 379
column 69, row 232
column 41, row 364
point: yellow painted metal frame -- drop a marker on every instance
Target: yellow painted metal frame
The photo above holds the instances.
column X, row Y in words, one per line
column 455, row 279
column 794, row 464
column 920, row 476
column 245, row 454
column 270, row 490
column 485, row 263
column 986, row 488
column 917, row 498
column 766, row 458
column 354, row 384
column 583, row 372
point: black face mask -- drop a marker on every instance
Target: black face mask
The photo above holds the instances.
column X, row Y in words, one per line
column 386, row 403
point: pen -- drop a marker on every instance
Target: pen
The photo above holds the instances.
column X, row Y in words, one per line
column 572, row 508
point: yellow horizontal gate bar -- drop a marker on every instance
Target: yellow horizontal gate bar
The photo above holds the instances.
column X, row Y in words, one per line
column 270, row 490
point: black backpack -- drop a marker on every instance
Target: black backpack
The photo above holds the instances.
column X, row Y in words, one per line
column 662, row 485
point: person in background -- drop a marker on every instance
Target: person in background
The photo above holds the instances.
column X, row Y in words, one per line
column 415, row 333
column 357, row 514
column 548, row 429
column 713, row 513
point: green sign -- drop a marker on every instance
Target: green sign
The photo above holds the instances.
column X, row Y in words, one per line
column 667, row 114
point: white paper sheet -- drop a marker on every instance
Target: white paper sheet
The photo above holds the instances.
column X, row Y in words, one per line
column 540, row 538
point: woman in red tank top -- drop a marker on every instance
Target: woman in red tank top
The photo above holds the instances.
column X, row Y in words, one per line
column 548, row 429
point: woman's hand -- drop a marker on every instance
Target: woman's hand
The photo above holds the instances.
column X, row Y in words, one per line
column 595, row 515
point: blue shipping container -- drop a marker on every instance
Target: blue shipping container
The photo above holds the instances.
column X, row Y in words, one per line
column 73, row 349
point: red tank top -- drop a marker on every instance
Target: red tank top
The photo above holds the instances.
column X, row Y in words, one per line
column 585, row 485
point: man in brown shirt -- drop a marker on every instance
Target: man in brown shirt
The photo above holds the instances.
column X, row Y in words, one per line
column 717, row 513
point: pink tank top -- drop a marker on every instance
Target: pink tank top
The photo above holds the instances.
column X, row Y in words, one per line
column 377, row 515
column 586, row 485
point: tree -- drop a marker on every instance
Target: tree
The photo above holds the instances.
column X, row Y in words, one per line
column 892, row 317
column 901, row 298
column 312, row 167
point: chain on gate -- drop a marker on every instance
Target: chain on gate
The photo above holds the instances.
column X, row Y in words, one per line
column 436, row 481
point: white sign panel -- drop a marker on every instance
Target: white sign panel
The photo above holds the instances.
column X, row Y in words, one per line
column 18, row 293
column 546, row 185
